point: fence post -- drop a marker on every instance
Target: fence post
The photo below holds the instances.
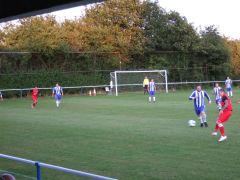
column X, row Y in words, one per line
column 81, row 91
column 38, row 170
column 57, row 168
column 21, row 93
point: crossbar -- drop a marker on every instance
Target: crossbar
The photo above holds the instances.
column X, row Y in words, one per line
column 140, row 71
column 57, row 168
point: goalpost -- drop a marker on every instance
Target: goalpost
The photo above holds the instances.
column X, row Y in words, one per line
column 133, row 80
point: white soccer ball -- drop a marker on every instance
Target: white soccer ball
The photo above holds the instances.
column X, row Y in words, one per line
column 191, row 123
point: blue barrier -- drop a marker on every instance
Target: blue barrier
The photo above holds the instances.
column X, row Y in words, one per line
column 57, row 168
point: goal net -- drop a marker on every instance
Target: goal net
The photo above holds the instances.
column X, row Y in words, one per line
column 132, row 81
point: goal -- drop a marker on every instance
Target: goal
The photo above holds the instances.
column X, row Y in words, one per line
column 132, row 81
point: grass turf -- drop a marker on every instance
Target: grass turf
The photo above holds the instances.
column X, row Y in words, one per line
column 123, row 137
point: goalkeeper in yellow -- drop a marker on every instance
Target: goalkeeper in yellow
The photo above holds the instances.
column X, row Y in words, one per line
column 145, row 85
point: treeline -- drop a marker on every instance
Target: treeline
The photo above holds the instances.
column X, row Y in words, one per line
column 116, row 34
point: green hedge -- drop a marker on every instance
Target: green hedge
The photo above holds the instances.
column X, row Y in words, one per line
column 49, row 79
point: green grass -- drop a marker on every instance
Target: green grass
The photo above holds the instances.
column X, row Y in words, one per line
column 123, row 137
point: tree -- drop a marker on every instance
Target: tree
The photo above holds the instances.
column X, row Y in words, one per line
column 115, row 26
column 214, row 54
column 167, row 31
column 234, row 46
column 131, row 34
column 170, row 40
column 39, row 35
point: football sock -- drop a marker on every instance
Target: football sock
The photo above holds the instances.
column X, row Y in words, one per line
column 204, row 117
column 154, row 99
column 201, row 119
column 33, row 105
column 150, row 99
column 221, row 127
column 222, row 130
column 216, row 128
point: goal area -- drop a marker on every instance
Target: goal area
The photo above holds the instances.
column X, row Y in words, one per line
column 132, row 81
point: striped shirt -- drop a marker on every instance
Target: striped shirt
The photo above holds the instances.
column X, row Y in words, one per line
column 152, row 86
column 58, row 90
column 216, row 92
column 198, row 97
column 228, row 83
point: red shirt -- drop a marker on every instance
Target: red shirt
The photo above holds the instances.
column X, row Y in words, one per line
column 35, row 92
column 224, row 98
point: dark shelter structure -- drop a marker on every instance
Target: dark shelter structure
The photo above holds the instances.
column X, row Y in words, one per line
column 15, row 9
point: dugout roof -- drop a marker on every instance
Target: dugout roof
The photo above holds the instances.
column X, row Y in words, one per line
column 16, row 9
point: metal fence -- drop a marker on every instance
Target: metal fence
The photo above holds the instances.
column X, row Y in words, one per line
column 48, row 91
column 101, row 89
column 40, row 165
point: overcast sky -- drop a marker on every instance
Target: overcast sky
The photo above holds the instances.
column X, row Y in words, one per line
column 222, row 13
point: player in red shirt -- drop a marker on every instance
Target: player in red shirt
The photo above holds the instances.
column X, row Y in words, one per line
column 224, row 115
column 34, row 97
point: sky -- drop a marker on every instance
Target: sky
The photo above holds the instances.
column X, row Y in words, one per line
column 221, row 13
column 201, row 13
column 70, row 13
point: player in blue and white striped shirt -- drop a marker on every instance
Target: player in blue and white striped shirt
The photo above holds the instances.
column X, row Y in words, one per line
column 216, row 92
column 58, row 93
column 152, row 90
column 228, row 84
column 199, row 105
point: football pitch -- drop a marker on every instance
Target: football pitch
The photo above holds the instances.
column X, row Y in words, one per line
column 123, row 137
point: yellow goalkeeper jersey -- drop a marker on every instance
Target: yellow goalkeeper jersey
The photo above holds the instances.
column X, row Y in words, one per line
column 145, row 82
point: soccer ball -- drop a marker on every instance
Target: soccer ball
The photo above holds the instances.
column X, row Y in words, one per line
column 191, row 123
